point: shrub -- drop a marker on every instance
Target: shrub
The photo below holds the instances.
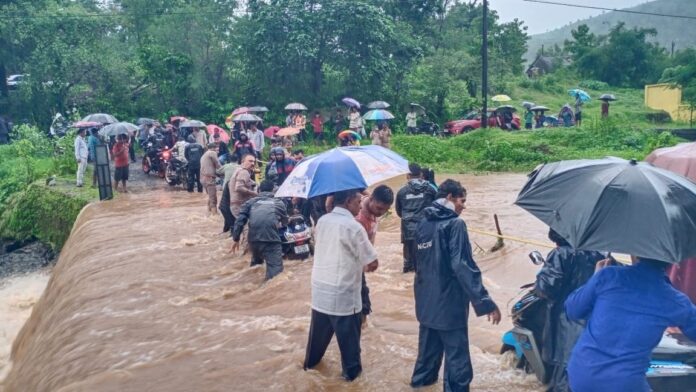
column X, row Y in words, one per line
column 658, row 117
column 593, row 85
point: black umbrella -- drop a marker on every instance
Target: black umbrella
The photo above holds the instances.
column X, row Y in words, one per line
column 615, row 205
column 607, row 97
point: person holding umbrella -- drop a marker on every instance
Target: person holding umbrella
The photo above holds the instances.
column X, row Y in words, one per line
column 119, row 153
column 578, row 109
column 355, row 120
column 81, row 155
column 411, row 120
column 318, row 127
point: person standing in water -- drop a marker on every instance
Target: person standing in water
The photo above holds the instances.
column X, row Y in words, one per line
column 447, row 280
column 343, row 251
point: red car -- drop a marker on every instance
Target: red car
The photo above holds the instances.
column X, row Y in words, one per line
column 471, row 122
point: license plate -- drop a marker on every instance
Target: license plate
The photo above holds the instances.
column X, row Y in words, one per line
column 301, row 249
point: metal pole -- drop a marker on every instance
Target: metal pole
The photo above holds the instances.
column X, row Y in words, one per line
column 484, row 67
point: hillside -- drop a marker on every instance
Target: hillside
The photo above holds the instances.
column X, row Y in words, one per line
column 680, row 31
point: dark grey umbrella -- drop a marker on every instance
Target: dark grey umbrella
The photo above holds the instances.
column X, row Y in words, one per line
column 615, row 205
column 120, row 128
column 101, row 118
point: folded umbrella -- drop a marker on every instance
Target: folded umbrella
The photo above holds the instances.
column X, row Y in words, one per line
column 378, row 114
column 120, row 128
column 615, row 205
column 271, row 132
column 192, row 124
column 350, row 102
column 288, row 131
column 212, row 129
column 101, row 118
column 377, row 105
column 341, row 169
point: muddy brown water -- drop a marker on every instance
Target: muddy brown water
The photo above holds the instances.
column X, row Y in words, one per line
column 146, row 297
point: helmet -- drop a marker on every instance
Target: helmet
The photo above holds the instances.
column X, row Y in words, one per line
column 277, row 151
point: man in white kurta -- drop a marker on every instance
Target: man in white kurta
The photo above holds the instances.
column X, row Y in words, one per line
column 342, row 252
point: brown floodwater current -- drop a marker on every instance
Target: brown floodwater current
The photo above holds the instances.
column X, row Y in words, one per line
column 145, row 296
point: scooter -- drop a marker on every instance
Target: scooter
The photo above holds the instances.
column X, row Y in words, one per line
column 152, row 161
column 176, row 169
column 297, row 239
column 673, row 364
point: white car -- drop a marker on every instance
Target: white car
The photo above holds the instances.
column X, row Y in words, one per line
column 13, row 81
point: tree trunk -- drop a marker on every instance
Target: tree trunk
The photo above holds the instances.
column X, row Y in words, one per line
column 3, row 80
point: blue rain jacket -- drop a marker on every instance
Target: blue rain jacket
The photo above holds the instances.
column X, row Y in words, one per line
column 627, row 310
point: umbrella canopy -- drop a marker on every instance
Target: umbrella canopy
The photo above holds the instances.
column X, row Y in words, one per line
column 295, row 106
column 607, row 97
column 349, row 133
column 192, row 124
column 145, row 120
column 270, row 132
column 680, row 159
column 101, row 118
column 506, row 108
column 87, row 124
column 615, row 205
column 583, row 95
column 377, row 105
column 258, row 109
column 288, row 131
column 501, row 98
column 350, row 102
column 246, row 117
column 419, row 108
column 177, row 118
column 241, row 110
column 341, row 169
column 120, row 128
column 539, row 108
column 528, row 105
column 378, row 114
column 212, row 129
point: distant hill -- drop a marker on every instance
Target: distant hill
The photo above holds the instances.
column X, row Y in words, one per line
column 680, row 31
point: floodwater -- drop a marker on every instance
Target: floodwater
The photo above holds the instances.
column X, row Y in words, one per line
column 145, row 296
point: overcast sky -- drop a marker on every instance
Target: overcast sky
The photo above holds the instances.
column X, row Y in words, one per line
column 544, row 17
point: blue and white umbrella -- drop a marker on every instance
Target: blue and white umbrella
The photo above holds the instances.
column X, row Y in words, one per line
column 341, row 169
column 584, row 97
column 378, row 114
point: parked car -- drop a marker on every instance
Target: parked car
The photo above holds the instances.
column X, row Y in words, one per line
column 473, row 121
column 13, row 81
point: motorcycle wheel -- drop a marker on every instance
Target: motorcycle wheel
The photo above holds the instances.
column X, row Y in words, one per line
column 161, row 172
column 146, row 165
column 169, row 178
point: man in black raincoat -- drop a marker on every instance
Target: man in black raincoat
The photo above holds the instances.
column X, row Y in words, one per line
column 565, row 270
column 447, row 280
column 411, row 200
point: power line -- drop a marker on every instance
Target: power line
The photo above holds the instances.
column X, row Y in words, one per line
column 625, row 11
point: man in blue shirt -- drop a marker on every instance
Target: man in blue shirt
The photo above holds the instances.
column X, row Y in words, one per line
column 628, row 310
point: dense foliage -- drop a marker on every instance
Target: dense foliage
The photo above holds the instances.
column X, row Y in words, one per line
column 156, row 57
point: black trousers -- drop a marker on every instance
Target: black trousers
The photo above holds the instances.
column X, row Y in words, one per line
column 432, row 343
column 194, row 177
column 225, row 209
column 409, row 255
column 271, row 253
column 347, row 330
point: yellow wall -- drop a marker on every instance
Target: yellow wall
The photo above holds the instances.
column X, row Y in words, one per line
column 663, row 97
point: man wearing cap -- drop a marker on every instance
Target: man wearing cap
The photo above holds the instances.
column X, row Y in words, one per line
column 209, row 166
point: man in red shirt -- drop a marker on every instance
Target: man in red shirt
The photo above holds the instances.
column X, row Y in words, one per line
column 121, row 160
column 318, row 125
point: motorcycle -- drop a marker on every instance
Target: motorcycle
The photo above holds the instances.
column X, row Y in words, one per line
column 673, row 364
column 176, row 169
column 427, row 127
column 152, row 161
column 296, row 238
